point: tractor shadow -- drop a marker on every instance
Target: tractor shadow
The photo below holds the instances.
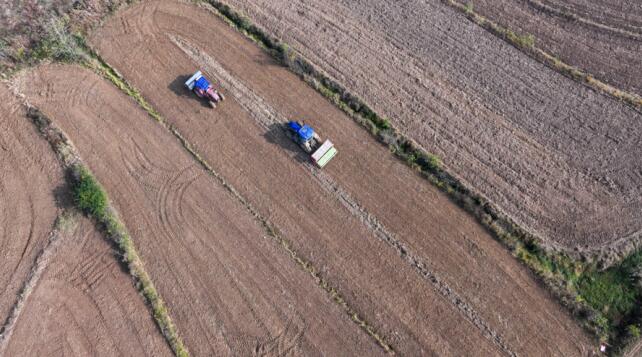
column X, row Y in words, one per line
column 276, row 135
column 178, row 87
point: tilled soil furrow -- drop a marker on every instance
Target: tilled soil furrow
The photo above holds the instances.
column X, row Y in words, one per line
column 268, row 117
column 631, row 31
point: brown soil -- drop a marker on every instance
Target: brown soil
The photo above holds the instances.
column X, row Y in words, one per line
column 417, row 267
column 601, row 37
column 559, row 158
column 29, row 182
column 230, row 289
column 85, row 304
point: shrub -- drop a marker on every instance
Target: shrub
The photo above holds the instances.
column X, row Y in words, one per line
column 58, row 44
column 89, row 195
column 610, row 292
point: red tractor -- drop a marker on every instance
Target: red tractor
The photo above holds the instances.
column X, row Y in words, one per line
column 203, row 89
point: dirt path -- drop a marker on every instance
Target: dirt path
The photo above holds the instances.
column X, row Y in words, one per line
column 85, row 304
column 601, row 37
column 559, row 158
column 230, row 289
column 29, row 180
column 270, row 172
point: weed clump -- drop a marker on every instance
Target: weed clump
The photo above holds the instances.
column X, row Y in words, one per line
column 88, row 194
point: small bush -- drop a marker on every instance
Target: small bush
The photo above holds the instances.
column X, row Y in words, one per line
column 469, row 8
column 429, row 161
column 89, row 195
column 525, row 41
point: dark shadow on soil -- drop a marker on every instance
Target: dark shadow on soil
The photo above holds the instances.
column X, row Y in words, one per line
column 62, row 196
column 178, row 87
column 276, row 135
column 269, row 61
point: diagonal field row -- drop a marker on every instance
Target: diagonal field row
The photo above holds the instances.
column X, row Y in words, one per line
column 29, row 179
column 144, row 43
column 230, row 289
column 601, row 37
column 560, row 159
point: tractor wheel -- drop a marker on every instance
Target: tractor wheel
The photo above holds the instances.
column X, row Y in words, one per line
column 212, row 104
column 221, row 96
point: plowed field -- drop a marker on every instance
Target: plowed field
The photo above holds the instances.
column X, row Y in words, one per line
column 230, row 289
column 417, row 267
column 559, row 158
column 85, row 304
column 29, row 179
column 601, row 37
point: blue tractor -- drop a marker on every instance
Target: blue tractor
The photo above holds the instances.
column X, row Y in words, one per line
column 310, row 142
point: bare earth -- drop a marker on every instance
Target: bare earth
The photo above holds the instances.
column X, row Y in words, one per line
column 560, row 159
column 29, row 179
column 605, row 38
column 85, row 304
column 230, row 289
column 417, row 267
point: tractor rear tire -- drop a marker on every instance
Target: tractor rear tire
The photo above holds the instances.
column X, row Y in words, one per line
column 212, row 104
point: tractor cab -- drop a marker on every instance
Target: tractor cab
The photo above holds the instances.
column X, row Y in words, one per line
column 202, row 83
column 303, row 132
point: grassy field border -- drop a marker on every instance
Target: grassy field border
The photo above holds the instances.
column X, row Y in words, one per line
column 527, row 43
column 567, row 278
column 91, row 198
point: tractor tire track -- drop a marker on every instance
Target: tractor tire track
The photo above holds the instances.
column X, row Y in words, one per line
column 267, row 117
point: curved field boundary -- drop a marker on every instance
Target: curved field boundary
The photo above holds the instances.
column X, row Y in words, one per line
column 113, row 76
column 114, row 229
column 267, row 116
column 63, row 226
column 527, row 44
